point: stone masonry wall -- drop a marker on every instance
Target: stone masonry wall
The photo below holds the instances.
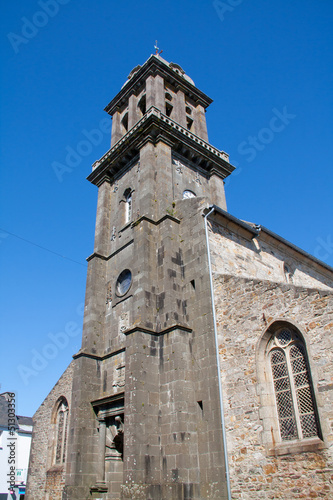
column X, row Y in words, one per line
column 251, row 296
column 262, row 258
column 258, row 470
column 46, row 481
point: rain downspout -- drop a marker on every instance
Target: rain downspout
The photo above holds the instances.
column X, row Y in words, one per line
column 218, row 359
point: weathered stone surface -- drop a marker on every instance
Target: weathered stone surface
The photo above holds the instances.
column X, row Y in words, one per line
column 46, row 480
column 246, row 306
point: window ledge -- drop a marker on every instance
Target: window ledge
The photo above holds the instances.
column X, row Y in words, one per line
column 292, row 447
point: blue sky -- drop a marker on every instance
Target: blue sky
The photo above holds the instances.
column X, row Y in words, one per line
column 64, row 60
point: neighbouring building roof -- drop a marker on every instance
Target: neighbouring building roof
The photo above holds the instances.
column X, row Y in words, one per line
column 20, row 420
column 24, row 420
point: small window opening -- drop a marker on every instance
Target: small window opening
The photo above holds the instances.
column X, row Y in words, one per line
column 142, row 104
column 128, row 205
column 189, row 123
column 288, row 272
column 168, row 96
column 168, row 109
column 188, row 194
column 124, row 122
column 188, row 110
column 201, row 405
column 193, row 284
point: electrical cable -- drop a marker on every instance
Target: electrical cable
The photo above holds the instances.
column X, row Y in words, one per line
column 43, row 248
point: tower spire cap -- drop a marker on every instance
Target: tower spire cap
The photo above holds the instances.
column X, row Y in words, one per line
column 175, row 67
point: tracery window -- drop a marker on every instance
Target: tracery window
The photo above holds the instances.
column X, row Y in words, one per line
column 61, row 432
column 295, row 402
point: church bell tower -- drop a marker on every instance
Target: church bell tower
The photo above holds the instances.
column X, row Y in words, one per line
column 146, row 418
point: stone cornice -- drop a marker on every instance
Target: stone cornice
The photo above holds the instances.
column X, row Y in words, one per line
column 96, row 255
column 108, row 399
column 132, row 329
column 155, row 126
column 133, row 224
column 151, row 331
column 155, row 222
column 97, row 357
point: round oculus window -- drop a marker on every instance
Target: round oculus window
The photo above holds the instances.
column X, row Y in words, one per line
column 123, row 282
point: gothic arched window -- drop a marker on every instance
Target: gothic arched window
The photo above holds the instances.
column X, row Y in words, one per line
column 61, row 432
column 294, row 395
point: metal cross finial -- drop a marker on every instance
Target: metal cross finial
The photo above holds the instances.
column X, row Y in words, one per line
column 157, row 49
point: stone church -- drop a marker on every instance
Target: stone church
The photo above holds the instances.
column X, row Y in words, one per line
column 206, row 366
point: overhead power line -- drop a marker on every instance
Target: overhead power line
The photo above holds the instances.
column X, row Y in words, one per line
column 43, row 248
